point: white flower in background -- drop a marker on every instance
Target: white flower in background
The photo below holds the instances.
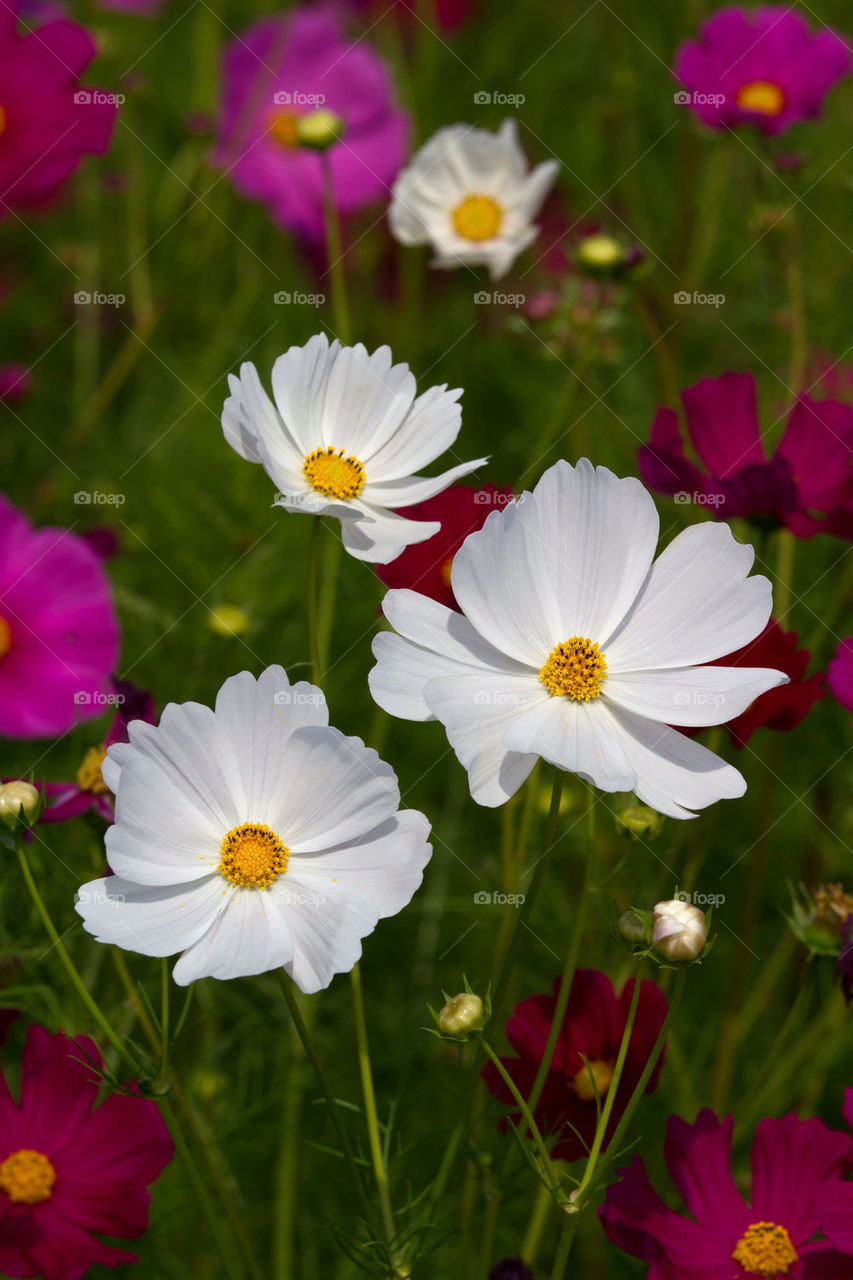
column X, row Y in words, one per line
column 344, row 438
column 679, row 930
column 251, row 837
column 572, row 645
column 469, row 193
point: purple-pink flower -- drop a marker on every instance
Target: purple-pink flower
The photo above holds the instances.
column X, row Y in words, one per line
column 14, row 383
column 763, row 67
column 726, row 1238
column 839, row 674
column 47, row 122
column 59, row 633
column 833, row 1202
column 808, row 477
column 283, row 68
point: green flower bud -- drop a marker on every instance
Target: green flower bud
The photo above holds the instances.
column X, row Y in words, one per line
column 462, row 1016
column 319, row 130
column 639, row 820
column 18, row 799
column 600, row 252
column 632, row 928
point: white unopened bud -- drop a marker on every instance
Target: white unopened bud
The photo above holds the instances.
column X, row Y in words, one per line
column 461, row 1016
column 319, row 130
column 679, row 930
column 16, row 798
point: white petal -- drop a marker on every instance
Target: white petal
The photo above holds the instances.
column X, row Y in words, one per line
column 476, row 710
column 249, row 936
column 334, row 789
column 309, row 502
column 386, row 864
column 253, row 428
column 299, row 380
column 674, row 773
column 691, row 696
column 405, row 493
column 327, row 920
column 697, row 604
column 382, row 536
column 428, row 430
column 576, row 736
column 154, row 920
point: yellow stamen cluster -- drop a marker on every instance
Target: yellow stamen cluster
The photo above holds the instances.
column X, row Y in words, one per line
column 283, row 129
column 575, row 669
column 89, row 776
column 602, row 1073
column 27, row 1177
column 761, row 95
column 5, row 629
column 252, row 856
column 477, row 218
column 3, row 120
column 765, row 1249
column 333, row 474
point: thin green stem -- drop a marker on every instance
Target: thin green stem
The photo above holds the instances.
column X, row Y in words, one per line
column 785, row 545
column 536, row 1225
column 313, row 600
column 334, row 253
column 164, row 1023
column 380, row 1173
column 796, row 294
column 547, row 1164
column 567, row 1239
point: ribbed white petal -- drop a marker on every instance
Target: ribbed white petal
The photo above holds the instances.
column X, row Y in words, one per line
column 692, row 696
column 428, row 430
column 412, row 489
column 254, row 430
column 381, row 535
column 154, row 920
column 697, row 604
column 250, row 935
column 576, row 736
column 310, row 502
column 299, row 379
column 327, row 920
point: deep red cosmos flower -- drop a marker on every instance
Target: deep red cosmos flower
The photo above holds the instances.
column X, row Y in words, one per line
column 593, row 1027
column 833, row 1201
column 839, row 676
column 810, row 475
column 425, row 566
column 725, row 1238
column 68, row 1171
column 47, row 122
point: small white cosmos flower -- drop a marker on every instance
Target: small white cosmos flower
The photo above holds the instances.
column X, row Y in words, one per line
column 470, row 194
column 344, row 438
column 252, row 837
column 572, row 645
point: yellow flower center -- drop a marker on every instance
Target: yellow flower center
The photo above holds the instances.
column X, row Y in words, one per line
column 252, row 856
column 5, row 629
column 575, row 669
column 477, row 218
column 602, row 1073
column 765, row 1249
column 283, row 129
column 761, row 95
column 446, row 571
column 27, row 1177
column 332, row 474
column 89, row 776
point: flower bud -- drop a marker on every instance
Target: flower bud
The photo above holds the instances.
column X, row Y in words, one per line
column 228, row 620
column 319, row 130
column 632, row 928
column 462, row 1016
column 18, row 799
column 679, row 930
column 600, row 252
column 640, row 821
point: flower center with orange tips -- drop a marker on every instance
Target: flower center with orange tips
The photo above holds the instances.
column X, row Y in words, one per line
column 283, row 129
column 762, row 96
column 252, row 856
column 477, row 218
column 89, row 776
column 27, row 1177
column 765, row 1249
column 5, row 637
column 575, row 669
column 597, row 1070
column 333, row 474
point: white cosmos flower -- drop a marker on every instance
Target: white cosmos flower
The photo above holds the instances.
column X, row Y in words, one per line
column 344, row 438
column 572, row 645
column 470, row 194
column 252, row 837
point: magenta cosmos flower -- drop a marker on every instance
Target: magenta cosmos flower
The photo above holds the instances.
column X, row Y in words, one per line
column 839, row 677
column 762, row 67
column 725, row 1238
column 282, row 68
column 833, row 1201
column 810, row 474
column 58, row 629
column 47, row 122
column 69, row 1170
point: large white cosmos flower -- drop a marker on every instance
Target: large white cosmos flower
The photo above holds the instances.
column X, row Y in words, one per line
column 572, row 645
column 470, row 194
column 252, row 837
column 344, row 438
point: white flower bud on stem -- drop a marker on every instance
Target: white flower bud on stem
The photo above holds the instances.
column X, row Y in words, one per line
column 679, row 930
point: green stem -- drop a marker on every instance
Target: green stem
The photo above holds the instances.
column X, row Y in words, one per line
column 547, row 1164
column 380, row 1173
column 567, row 1239
column 313, row 600
column 334, row 253
column 785, row 544
column 796, row 293
column 287, row 1177
column 536, row 1225
column 164, row 1023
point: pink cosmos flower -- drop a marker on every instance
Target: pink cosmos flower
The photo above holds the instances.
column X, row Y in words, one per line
column 47, row 122
column 763, row 67
column 68, row 1171
column 448, row 15
column 89, row 791
column 725, row 1238
column 839, row 676
column 58, row 629
column 809, row 473
column 14, row 383
column 147, row 8
column 833, row 1202
column 282, row 68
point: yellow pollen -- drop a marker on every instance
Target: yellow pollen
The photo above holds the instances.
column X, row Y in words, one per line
column 765, row 1249
column 5, row 629
column 761, row 95
column 446, row 571
column 252, row 856
column 602, row 1073
column 283, row 129
column 575, row 669
column 334, row 475
column 27, row 1177
column 89, row 776
column 477, row 218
